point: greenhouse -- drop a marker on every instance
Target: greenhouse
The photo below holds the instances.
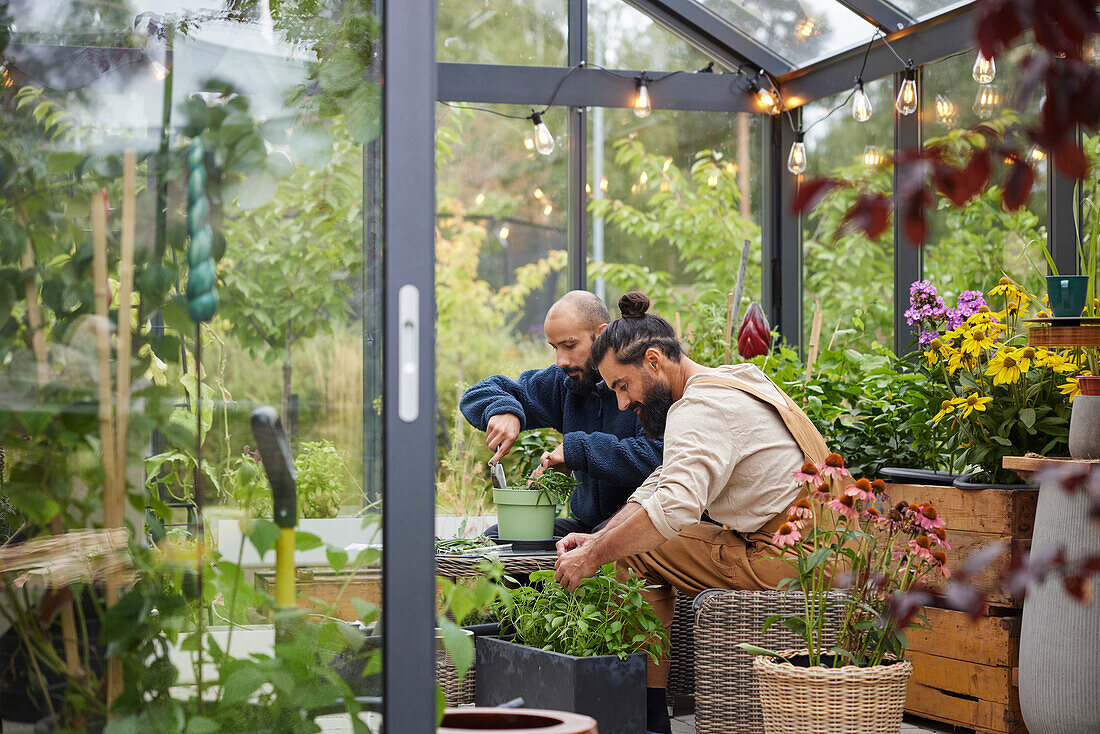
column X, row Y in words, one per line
column 629, row 366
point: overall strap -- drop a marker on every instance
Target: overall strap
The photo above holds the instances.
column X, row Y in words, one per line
column 801, row 427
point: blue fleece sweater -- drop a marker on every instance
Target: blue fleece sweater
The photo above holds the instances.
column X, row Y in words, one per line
column 605, row 447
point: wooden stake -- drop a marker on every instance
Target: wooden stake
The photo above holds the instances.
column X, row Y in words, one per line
column 34, row 310
column 112, row 502
column 122, row 350
column 676, row 324
column 728, row 333
column 815, row 340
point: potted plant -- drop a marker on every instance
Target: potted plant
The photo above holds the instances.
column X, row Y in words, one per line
column 858, row 684
column 583, row 651
column 527, row 512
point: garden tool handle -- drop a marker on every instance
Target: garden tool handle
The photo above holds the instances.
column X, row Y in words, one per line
column 274, row 450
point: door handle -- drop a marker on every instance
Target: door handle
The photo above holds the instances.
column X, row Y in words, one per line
column 408, row 353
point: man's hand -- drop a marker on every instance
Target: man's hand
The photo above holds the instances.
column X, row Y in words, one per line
column 501, row 433
column 571, row 541
column 575, row 566
column 551, row 460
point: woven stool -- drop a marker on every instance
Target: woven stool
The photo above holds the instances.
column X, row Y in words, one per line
column 681, row 673
column 726, row 695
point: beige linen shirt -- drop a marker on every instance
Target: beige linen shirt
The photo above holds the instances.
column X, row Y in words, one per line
column 726, row 452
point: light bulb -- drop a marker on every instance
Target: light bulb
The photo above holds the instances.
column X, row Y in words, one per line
column 871, row 156
column 643, row 178
column 504, row 232
column 906, row 103
column 947, row 112
column 479, row 199
column 544, row 141
column 984, row 69
column 1037, row 154
column 796, row 161
column 767, row 101
column 642, row 107
column 160, row 71
column 986, row 101
column 528, row 142
column 861, row 103
column 603, row 183
column 805, row 27
column 548, row 210
column 712, row 180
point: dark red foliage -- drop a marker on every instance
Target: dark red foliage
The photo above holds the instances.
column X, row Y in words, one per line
column 871, row 214
column 1018, row 182
column 978, row 171
column 810, row 193
column 952, row 182
column 965, row 598
column 1080, row 587
column 755, row 335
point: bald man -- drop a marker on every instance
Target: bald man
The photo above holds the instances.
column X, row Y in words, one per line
column 605, row 448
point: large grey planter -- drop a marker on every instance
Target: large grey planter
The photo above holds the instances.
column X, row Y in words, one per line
column 610, row 690
column 1060, row 636
column 1084, row 427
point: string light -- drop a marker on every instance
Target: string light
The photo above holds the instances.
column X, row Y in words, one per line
column 712, row 180
column 666, row 165
column 537, row 193
column 906, row 103
column 528, row 142
column 986, row 101
column 947, row 112
column 479, row 199
column 767, row 101
column 643, row 178
column 1037, row 154
column 805, row 27
column 985, row 70
column 548, row 210
column 642, row 106
column 603, row 183
column 872, row 156
column 504, row 231
column 796, row 160
column 861, row 103
column 5, row 76
column 544, row 141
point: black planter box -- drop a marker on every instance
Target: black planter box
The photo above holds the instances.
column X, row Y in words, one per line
column 610, row 690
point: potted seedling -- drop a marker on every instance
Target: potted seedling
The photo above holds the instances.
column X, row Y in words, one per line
column 582, row 651
column 526, row 512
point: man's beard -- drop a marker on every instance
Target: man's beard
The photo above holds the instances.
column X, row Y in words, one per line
column 582, row 380
column 653, row 412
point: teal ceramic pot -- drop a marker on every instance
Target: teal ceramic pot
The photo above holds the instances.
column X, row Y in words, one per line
column 1067, row 294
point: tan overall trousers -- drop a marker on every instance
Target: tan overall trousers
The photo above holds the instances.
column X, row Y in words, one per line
column 706, row 555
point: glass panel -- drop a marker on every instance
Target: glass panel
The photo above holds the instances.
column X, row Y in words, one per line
column 970, row 248
column 672, row 200
column 923, row 9
column 534, row 33
column 157, row 155
column 848, row 274
column 621, row 37
column 501, row 258
column 801, row 31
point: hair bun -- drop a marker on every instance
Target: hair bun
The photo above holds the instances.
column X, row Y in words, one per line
column 634, row 305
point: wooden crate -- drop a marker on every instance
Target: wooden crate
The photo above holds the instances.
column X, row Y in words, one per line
column 324, row 590
column 976, row 517
column 965, row 673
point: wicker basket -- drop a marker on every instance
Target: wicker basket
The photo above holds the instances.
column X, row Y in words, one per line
column 797, row 700
column 457, row 693
column 681, row 674
column 726, row 698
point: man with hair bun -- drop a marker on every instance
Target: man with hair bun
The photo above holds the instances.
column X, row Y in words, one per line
column 605, row 449
column 706, row 517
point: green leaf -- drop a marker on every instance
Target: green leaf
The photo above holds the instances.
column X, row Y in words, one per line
column 242, row 683
column 256, row 190
column 337, row 558
column 340, row 71
column 459, row 645
column 304, row 541
column 263, row 534
column 363, row 113
column 202, row 725
column 754, row 650
column 1027, row 416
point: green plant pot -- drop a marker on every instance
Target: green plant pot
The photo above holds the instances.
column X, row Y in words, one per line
column 524, row 514
column 1067, row 294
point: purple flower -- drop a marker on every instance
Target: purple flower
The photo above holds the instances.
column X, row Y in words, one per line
column 925, row 303
column 966, row 305
column 926, row 337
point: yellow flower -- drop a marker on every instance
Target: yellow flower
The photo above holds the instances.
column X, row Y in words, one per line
column 937, row 351
column 1004, row 287
column 947, row 407
column 1004, row 367
column 1071, row 387
column 1056, row 362
column 974, row 402
column 959, row 360
column 977, row 339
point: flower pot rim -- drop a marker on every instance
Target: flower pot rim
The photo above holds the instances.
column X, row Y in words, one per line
column 521, row 497
column 567, row 656
column 898, row 669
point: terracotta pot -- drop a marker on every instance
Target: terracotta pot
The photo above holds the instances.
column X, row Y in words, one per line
column 1089, row 384
column 801, row 700
column 515, row 721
